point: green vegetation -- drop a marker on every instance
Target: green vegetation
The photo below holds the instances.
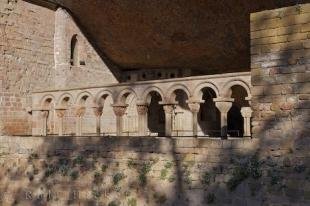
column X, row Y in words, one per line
column 243, row 170
column 144, row 169
column 96, row 193
column 210, row 198
column 132, row 202
column 163, row 174
column 206, row 178
column 104, row 168
column 74, row 174
column 275, row 177
column 131, row 164
column 78, row 160
column 114, row 203
column 159, row 198
column 118, row 177
column 171, row 178
column 300, row 168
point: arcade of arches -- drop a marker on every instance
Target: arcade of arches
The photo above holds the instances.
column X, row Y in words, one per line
column 210, row 106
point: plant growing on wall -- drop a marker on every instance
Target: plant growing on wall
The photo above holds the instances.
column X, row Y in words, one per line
column 249, row 167
column 118, row 177
column 144, row 169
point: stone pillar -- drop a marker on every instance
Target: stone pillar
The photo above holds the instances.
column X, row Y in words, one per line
column 80, row 111
column 44, row 115
column 98, row 113
column 246, row 113
column 223, row 105
column 119, row 111
column 61, row 48
column 194, row 107
column 142, row 119
column 168, row 108
column 60, row 114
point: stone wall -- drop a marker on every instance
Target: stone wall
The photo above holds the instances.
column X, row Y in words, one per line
column 28, row 42
column 150, row 171
column 281, row 92
column 280, row 50
column 86, row 68
column 27, row 60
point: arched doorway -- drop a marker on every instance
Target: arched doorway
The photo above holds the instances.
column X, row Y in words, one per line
column 182, row 116
column 208, row 115
column 155, row 115
column 68, row 118
column 49, row 126
column 88, row 122
column 130, row 122
column 234, row 117
column 107, row 119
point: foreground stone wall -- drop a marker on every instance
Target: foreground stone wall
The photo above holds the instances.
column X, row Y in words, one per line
column 149, row 171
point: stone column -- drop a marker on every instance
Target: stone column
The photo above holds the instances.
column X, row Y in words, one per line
column 98, row 114
column 60, row 114
column 194, row 107
column 142, row 118
column 61, row 48
column 44, row 115
column 246, row 113
column 223, row 105
column 119, row 111
column 80, row 111
column 168, row 108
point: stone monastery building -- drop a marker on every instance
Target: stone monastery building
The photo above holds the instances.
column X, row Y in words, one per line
column 187, row 81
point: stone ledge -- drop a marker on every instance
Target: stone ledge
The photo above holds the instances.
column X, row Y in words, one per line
column 23, row 145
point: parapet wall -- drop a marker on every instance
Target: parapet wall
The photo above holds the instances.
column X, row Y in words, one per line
column 151, row 171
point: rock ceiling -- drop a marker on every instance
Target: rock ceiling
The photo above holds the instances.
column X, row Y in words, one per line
column 206, row 35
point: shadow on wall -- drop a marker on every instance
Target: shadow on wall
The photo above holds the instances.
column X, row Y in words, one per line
column 271, row 169
column 121, row 171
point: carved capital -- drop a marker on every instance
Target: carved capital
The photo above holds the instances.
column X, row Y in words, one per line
column 168, row 108
column 142, row 109
column 119, row 110
column 44, row 113
column 97, row 111
column 194, row 106
column 246, row 112
column 224, row 107
column 80, row 111
column 60, row 113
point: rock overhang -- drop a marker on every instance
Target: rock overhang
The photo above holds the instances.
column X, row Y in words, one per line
column 204, row 36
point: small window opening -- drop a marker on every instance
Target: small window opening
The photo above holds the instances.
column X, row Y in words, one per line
column 74, row 55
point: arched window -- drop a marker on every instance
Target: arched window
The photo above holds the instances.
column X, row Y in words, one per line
column 74, row 55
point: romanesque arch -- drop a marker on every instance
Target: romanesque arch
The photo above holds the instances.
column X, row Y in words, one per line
column 171, row 94
column 181, row 118
column 146, row 95
column 65, row 115
column 48, row 114
column 86, row 120
column 104, row 100
column 128, row 98
column 235, row 121
column 155, row 113
column 208, row 115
